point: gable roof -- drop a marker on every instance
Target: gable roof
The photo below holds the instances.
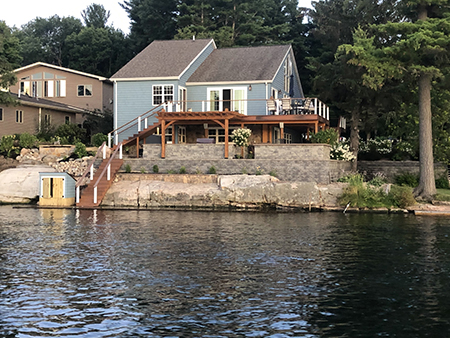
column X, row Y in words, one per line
column 163, row 59
column 26, row 100
column 43, row 64
column 241, row 64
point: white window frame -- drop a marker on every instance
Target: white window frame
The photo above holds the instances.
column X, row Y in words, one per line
column 237, row 105
column 60, row 88
column 164, row 97
column 181, row 135
column 19, row 116
column 168, row 134
column 213, row 132
column 84, row 90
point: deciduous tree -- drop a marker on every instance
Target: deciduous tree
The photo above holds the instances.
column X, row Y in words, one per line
column 9, row 60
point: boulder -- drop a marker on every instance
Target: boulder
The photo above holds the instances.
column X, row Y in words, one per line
column 21, row 184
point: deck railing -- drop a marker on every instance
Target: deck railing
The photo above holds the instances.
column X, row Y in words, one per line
column 296, row 106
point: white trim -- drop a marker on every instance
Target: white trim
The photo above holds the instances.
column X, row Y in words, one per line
column 162, row 93
column 36, row 64
column 147, row 78
column 281, row 64
column 220, row 90
column 115, row 103
column 195, row 59
column 229, row 83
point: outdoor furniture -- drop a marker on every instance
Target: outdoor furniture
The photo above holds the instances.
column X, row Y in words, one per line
column 308, row 106
column 287, row 106
column 271, row 107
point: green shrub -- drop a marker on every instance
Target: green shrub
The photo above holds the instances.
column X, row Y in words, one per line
column 171, row 171
column 70, row 133
column 212, row 170
column 27, row 141
column 244, row 171
column 127, row 168
column 183, row 170
column 329, row 136
column 259, row 171
column 273, row 173
column 98, row 139
column 155, row 169
column 407, row 179
column 80, row 150
column 143, row 170
column 377, row 181
column 7, row 146
column 442, row 183
column 401, row 196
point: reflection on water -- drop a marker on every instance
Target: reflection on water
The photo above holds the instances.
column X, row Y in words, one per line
column 85, row 273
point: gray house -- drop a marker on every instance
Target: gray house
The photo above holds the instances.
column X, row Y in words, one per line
column 190, row 78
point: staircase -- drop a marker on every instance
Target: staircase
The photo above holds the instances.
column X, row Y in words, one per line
column 142, row 134
column 87, row 197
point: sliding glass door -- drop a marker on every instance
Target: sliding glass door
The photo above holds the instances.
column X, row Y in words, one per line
column 233, row 99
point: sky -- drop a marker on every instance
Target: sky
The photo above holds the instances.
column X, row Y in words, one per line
column 20, row 13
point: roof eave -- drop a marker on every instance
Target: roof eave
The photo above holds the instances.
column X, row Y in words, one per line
column 36, row 64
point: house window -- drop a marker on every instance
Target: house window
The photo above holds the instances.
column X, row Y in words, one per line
column 60, row 88
column 19, row 116
column 85, row 90
column 25, row 87
column 48, row 88
column 232, row 99
column 1, row 114
column 168, row 134
column 67, row 119
column 219, row 134
column 47, row 119
column 162, row 94
column 181, row 134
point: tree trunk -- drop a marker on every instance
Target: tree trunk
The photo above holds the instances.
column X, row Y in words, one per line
column 354, row 136
column 426, row 188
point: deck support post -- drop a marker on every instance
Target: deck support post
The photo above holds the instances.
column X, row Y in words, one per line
column 137, row 147
column 226, row 138
column 163, row 138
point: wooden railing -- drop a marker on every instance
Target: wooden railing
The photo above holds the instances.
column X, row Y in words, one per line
column 107, row 169
column 90, row 170
column 295, row 106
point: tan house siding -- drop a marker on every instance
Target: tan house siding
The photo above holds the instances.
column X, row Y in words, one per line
column 30, row 119
column 41, row 73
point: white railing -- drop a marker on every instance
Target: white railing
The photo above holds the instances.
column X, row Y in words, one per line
column 107, row 168
column 89, row 170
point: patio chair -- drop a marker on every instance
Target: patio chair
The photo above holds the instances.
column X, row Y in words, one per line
column 308, row 106
column 287, row 106
column 271, row 107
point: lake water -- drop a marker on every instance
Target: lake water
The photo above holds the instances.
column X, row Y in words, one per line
column 67, row 273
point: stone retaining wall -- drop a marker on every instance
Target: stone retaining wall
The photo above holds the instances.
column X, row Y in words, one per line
column 323, row 172
column 393, row 168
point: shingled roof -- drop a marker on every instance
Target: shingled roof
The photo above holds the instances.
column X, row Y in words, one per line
column 160, row 59
column 240, row 64
column 27, row 100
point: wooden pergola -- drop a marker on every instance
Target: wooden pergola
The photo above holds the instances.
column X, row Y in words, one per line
column 225, row 118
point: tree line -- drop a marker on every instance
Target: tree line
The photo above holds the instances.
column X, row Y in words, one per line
column 382, row 64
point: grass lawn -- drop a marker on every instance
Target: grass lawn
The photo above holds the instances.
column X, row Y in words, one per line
column 443, row 195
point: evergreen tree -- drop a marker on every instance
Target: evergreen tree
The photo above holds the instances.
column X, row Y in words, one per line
column 95, row 16
column 151, row 20
column 411, row 51
column 9, row 58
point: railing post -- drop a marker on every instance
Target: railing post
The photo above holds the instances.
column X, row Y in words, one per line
column 203, row 106
column 108, row 172
column 78, row 195
column 109, row 140
column 95, row 195
column 104, row 151
column 145, row 123
column 120, row 151
column 92, row 172
column 116, row 138
column 328, row 113
column 320, row 108
column 315, row 106
column 139, row 124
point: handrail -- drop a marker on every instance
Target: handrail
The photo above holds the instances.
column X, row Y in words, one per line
column 89, row 169
column 91, row 163
column 317, row 108
column 108, row 169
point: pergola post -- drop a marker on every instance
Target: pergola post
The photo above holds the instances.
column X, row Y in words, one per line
column 226, row 138
column 163, row 138
column 137, row 147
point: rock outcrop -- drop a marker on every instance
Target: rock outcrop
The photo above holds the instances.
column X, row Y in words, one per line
column 21, row 184
column 240, row 191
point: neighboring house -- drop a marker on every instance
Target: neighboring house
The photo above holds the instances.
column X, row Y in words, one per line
column 32, row 113
column 71, row 87
column 195, row 77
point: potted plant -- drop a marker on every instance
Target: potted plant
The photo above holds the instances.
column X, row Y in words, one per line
column 240, row 138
